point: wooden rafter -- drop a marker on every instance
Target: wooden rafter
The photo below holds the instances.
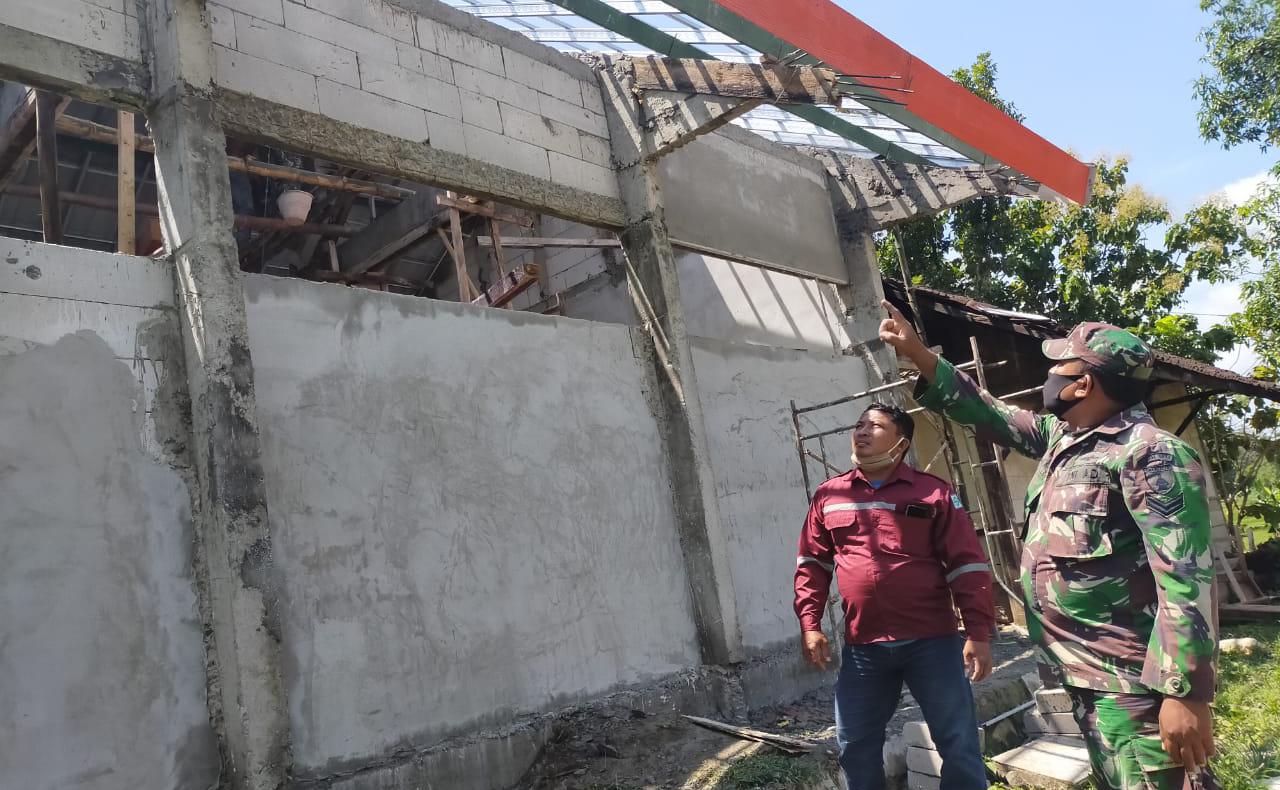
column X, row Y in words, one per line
column 17, row 139
column 776, row 84
column 126, row 213
column 541, row 242
column 48, row 106
column 88, row 130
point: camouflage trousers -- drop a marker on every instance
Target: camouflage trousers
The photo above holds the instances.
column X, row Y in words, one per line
column 1122, row 733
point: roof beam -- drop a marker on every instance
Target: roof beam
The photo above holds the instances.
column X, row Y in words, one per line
column 508, row 10
column 907, row 89
column 17, row 139
column 391, row 234
column 566, row 36
column 647, row 35
column 880, row 195
column 48, row 107
column 773, row 83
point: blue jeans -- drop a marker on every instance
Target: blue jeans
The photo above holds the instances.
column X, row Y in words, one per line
column 867, row 694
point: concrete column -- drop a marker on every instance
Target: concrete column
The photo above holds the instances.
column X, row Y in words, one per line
column 861, row 297
column 238, row 584
column 655, row 291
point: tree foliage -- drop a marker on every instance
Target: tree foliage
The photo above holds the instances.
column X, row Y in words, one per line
column 1240, row 103
column 1125, row 259
column 1121, row 258
column 1240, row 97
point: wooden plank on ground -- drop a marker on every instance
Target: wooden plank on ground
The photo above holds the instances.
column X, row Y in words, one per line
column 1249, row 612
column 1241, row 597
column 782, row 742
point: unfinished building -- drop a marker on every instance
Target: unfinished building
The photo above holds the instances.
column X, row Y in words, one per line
column 264, row 530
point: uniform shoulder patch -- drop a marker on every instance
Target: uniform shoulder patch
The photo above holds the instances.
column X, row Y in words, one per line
column 1160, row 479
column 955, row 501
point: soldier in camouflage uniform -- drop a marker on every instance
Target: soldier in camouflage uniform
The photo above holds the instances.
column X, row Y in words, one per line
column 1117, row 573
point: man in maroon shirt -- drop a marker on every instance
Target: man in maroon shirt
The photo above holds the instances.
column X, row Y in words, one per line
column 902, row 550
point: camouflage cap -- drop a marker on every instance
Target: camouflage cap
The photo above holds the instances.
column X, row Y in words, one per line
column 1106, row 348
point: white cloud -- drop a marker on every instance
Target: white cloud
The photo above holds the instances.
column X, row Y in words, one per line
column 1211, row 304
column 1238, row 192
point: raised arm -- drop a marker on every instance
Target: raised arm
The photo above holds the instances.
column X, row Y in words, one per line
column 944, row 389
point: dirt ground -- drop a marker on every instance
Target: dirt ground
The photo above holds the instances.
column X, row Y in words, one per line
column 621, row 749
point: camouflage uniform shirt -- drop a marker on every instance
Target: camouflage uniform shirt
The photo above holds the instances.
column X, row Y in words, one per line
column 1117, row 573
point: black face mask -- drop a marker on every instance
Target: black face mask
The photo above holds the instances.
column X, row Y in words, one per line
column 1054, row 403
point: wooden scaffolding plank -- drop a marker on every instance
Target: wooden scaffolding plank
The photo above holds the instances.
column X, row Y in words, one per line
column 48, row 106
column 126, row 212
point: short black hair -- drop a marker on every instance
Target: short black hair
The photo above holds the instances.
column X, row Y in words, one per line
column 905, row 422
column 1121, row 389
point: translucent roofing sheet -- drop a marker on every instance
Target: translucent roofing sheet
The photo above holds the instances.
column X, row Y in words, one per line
column 558, row 28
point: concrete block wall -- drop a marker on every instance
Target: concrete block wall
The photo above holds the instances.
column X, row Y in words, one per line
column 737, row 192
column 746, row 393
column 109, row 26
column 471, row 512
column 424, row 72
column 102, row 673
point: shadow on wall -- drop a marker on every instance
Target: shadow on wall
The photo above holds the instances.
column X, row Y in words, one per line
column 740, row 303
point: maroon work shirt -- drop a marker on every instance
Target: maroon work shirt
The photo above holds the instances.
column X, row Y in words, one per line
column 901, row 555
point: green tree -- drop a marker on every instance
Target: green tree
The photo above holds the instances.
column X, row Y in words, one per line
column 1240, row 97
column 1120, row 258
column 1240, row 104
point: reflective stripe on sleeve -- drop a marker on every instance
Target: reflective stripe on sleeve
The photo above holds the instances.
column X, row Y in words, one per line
column 802, row 560
column 973, row 567
column 858, row 506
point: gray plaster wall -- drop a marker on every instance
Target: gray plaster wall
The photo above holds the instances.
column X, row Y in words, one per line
column 101, row 671
column 470, row 510
column 746, row 393
column 735, row 191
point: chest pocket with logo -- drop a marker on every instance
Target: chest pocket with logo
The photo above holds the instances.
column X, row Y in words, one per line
column 1077, row 524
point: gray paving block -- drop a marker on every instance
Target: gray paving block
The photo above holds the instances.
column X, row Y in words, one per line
column 924, row 761
column 1053, row 701
column 916, row 733
column 1050, row 723
column 1051, row 763
column 917, row 781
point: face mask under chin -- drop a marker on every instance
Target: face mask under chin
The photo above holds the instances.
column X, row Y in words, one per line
column 1054, row 403
column 876, row 463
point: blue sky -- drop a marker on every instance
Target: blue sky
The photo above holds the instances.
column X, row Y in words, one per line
column 1098, row 78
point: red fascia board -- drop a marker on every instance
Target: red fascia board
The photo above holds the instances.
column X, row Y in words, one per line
column 851, row 46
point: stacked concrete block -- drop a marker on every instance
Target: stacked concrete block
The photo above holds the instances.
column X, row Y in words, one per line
column 1052, row 715
column 440, row 77
column 924, row 763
